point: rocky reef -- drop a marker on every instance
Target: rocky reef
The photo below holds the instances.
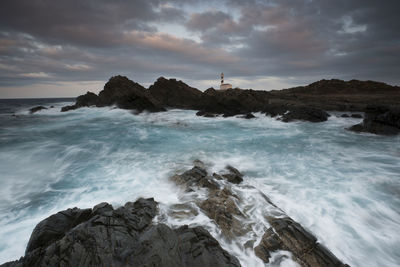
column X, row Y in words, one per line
column 131, row 236
column 306, row 103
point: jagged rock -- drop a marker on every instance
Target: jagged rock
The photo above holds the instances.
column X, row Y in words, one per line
column 305, row 114
column 286, row 234
column 234, row 176
column 222, row 206
column 379, row 120
column 173, row 93
column 247, row 116
column 126, row 94
column 122, row 92
column 36, row 109
column 126, row 236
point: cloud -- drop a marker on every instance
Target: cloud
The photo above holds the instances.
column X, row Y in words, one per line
column 35, row 75
column 264, row 42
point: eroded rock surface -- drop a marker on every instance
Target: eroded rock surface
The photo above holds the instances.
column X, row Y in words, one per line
column 226, row 210
column 126, row 236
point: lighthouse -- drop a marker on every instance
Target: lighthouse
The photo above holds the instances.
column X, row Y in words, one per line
column 224, row 86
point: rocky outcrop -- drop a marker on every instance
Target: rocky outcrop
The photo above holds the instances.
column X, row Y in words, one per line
column 380, row 120
column 224, row 208
column 104, row 236
column 173, row 93
column 86, row 100
column 307, row 103
column 286, row 234
column 290, row 113
column 305, row 114
column 231, row 102
column 123, row 93
column 36, row 109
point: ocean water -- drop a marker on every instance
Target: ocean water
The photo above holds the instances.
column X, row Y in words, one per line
column 342, row 186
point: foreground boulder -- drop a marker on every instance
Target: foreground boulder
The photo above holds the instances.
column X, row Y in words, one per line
column 380, row 120
column 230, row 213
column 104, row 236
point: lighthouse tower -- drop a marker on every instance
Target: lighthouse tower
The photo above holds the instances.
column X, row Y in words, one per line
column 224, row 86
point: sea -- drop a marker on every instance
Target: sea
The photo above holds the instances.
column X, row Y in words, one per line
column 342, row 186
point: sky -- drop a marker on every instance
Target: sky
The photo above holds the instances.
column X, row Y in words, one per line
column 54, row 48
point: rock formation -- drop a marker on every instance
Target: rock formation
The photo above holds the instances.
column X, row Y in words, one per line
column 307, row 103
column 175, row 94
column 379, row 120
column 104, row 236
column 223, row 207
column 123, row 93
column 36, row 109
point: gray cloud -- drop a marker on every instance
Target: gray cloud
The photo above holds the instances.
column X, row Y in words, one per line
column 303, row 40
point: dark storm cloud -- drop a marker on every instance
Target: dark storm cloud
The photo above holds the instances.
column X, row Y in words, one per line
column 47, row 40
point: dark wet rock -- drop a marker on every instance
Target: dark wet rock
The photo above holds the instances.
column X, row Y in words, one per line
column 68, row 108
column 51, row 106
column 345, row 116
column 305, row 114
column 223, row 207
column 126, row 94
column 195, row 177
column 247, row 116
column 286, row 234
column 356, row 116
column 380, row 120
column 55, row 227
column 87, row 100
column 206, row 114
column 173, row 93
column 123, row 93
column 126, row 236
column 234, row 176
column 36, row 109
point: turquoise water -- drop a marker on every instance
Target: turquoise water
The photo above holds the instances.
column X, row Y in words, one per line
column 344, row 187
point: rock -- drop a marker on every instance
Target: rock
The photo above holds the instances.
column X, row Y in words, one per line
column 123, row 93
column 126, row 236
column 68, row 108
column 247, row 116
column 286, row 234
column 36, row 109
column 380, row 120
column 305, row 114
column 205, row 114
column 345, row 116
column 224, row 208
column 234, row 176
column 173, row 93
column 221, row 207
column 87, row 100
column 356, row 116
column 126, row 94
